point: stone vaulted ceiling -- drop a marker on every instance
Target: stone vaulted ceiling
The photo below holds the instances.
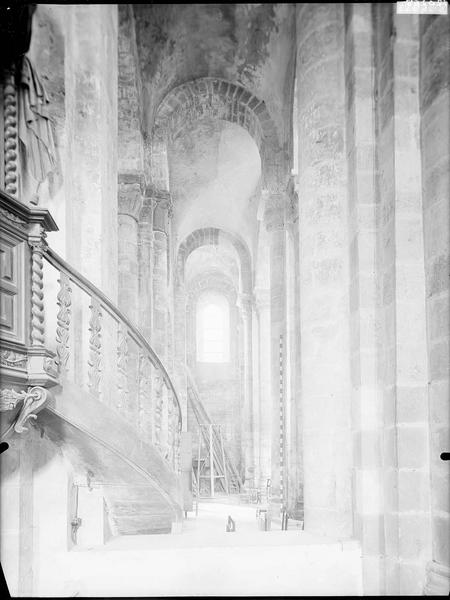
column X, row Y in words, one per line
column 214, row 171
column 246, row 44
column 214, row 165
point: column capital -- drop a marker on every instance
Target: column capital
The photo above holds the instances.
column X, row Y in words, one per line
column 162, row 210
column 131, row 187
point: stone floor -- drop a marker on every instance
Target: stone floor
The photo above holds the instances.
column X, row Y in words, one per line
column 204, row 559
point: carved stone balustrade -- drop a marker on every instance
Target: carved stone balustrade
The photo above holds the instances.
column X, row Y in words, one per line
column 113, row 405
column 102, row 355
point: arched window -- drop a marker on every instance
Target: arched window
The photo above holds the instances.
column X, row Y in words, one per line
column 213, row 328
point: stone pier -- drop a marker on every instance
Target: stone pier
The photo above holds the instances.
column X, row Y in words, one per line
column 323, row 264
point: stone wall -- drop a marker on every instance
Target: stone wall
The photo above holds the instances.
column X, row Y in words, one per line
column 220, row 387
column 435, row 143
column 402, row 361
column 34, row 513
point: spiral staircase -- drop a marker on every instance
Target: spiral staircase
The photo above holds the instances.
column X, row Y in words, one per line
column 83, row 374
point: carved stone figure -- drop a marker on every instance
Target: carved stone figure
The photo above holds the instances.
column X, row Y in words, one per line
column 35, row 129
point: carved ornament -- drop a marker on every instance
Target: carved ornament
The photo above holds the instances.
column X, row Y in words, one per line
column 51, row 366
column 95, row 347
column 33, row 401
column 9, row 358
column 9, row 216
column 64, row 301
column 10, row 398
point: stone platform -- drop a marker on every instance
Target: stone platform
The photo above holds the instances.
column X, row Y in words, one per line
column 206, row 560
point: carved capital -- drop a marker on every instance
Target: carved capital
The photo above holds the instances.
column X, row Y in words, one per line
column 163, row 200
column 130, row 195
column 163, row 211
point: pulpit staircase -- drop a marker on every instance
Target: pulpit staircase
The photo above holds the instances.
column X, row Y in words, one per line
column 104, row 397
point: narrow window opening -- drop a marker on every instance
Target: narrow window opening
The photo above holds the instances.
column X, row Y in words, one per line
column 213, row 329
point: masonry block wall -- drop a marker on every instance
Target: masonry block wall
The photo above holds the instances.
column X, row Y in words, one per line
column 434, row 95
column 220, row 387
column 402, row 362
column 396, row 150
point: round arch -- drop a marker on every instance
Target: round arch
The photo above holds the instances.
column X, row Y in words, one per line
column 210, row 97
column 214, row 237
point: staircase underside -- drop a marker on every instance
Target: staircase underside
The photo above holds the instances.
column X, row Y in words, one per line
column 136, row 502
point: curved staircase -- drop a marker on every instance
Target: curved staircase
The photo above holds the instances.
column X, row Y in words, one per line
column 104, row 397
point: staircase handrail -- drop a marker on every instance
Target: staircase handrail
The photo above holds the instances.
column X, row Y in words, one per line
column 59, row 263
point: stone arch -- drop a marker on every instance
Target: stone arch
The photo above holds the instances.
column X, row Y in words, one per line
column 211, row 97
column 212, row 281
column 214, row 237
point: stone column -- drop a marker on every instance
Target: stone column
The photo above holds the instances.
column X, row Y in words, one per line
column 435, row 142
column 274, row 218
column 90, row 159
column 256, row 415
column 245, row 305
column 180, row 346
column 146, row 268
column 130, row 204
column 367, row 405
column 262, row 298
column 161, row 216
column 293, row 404
column 323, row 264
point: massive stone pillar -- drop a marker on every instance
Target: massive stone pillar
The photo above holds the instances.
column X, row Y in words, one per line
column 161, row 217
column 146, row 268
column 245, row 304
column 274, row 217
column 90, row 160
column 435, row 139
column 262, row 298
column 130, row 204
column 402, row 360
column 323, row 264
